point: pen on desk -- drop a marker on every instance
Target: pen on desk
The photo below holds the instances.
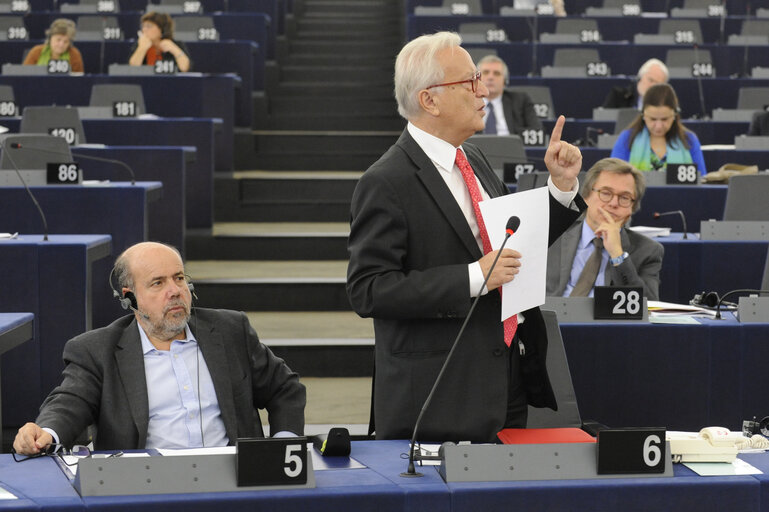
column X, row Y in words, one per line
column 116, row 454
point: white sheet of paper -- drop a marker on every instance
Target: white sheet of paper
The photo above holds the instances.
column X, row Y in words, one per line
column 737, row 467
column 527, row 290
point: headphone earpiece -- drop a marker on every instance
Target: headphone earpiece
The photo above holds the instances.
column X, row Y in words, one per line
column 705, row 299
column 129, row 301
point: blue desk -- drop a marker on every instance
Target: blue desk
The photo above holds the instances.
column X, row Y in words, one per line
column 169, row 165
column 379, row 487
column 118, row 209
column 692, row 266
column 682, row 377
column 54, row 281
column 182, row 95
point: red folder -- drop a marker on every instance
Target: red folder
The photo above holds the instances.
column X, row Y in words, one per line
column 544, row 436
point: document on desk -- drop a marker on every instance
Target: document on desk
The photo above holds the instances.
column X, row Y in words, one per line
column 5, row 494
column 527, row 290
column 736, row 467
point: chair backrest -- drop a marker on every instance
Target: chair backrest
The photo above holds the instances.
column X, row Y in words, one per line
column 12, row 28
column 195, row 28
column 36, row 151
column 500, row 149
column 129, row 95
column 478, row 53
column 541, row 97
column 6, row 93
column 752, row 27
column 746, row 198
column 481, row 32
column 625, row 116
column 753, row 98
column 181, row 6
column 700, row 4
column 683, row 31
column 60, row 121
column 574, row 25
column 557, row 363
column 575, row 57
column 98, row 28
column 473, row 7
column 681, row 61
column 91, row 6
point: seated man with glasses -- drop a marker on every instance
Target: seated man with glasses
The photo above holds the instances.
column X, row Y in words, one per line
column 597, row 250
column 168, row 375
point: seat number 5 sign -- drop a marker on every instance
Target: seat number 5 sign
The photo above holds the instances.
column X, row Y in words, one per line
column 275, row 461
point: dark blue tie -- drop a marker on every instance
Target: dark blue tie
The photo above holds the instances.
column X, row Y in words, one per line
column 491, row 120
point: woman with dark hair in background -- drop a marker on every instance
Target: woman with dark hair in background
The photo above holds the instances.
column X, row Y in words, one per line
column 657, row 135
column 156, row 42
column 58, row 46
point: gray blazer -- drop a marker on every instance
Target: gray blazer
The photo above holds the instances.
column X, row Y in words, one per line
column 104, row 383
column 642, row 268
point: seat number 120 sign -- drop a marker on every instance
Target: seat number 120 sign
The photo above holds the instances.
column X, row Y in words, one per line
column 275, row 461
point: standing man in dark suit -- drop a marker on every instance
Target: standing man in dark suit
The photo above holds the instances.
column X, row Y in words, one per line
column 652, row 72
column 417, row 260
column 158, row 379
column 613, row 190
column 506, row 111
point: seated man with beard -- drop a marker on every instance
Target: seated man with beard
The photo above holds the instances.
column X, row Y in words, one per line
column 163, row 377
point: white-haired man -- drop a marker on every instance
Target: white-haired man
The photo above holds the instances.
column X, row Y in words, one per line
column 652, row 72
column 419, row 252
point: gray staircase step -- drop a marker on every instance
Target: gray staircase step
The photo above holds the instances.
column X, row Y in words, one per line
column 338, row 150
column 360, row 76
column 301, row 285
column 369, row 48
column 288, row 105
column 331, row 88
column 284, row 196
column 268, row 241
column 359, row 121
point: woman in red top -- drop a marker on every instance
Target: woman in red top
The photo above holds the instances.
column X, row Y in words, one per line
column 156, row 43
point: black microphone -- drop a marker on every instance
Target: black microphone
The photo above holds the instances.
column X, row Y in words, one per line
column 26, row 187
column 721, row 24
column 588, row 140
column 512, row 225
column 16, row 145
column 657, row 215
column 699, row 85
column 721, row 299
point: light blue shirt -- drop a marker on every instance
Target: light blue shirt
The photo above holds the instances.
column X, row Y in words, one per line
column 179, row 390
column 585, row 249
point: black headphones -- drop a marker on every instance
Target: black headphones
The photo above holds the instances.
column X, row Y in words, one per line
column 752, row 427
column 709, row 300
column 128, row 299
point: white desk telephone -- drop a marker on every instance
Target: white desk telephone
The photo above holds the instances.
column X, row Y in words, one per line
column 711, row 444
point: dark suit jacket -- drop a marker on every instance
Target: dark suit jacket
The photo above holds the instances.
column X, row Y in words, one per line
column 104, row 383
column 519, row 112
column 622, row 97
column 409, row 248
column 760, row 124
column 642, row 268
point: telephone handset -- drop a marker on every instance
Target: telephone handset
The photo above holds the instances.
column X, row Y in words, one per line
column 711, row 444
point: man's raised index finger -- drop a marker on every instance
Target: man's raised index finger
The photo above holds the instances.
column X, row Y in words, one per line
column 555, row 136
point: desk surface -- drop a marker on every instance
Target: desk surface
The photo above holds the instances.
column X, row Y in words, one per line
column 378, row 486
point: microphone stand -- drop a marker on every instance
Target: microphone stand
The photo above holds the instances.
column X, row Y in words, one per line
column 87, row 157
column 411, row 471
column 26, row 187
column 720, row 300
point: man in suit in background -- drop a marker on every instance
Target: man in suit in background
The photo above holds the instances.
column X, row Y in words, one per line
column 157, row 379
column 419, row 252
column 506, row 111
column 652, row 72
column 612, row 190
column 759, row 125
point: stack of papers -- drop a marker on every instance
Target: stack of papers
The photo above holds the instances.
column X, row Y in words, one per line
column 651, row 231
column 668, row 312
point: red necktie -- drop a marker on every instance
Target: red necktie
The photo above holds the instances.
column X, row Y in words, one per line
column 511, row 324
